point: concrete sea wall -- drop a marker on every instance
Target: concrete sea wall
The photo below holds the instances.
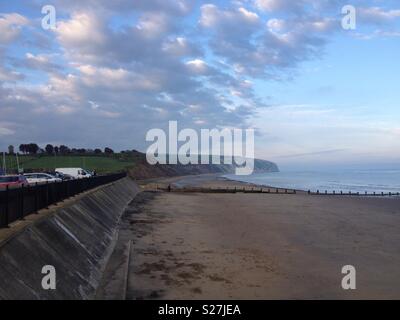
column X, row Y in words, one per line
column 77, row 239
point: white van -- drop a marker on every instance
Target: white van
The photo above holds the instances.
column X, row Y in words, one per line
column 77, row 173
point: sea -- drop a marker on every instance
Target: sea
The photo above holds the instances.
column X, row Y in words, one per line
column 350, row 180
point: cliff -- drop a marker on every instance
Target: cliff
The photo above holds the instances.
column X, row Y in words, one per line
column 143, row 170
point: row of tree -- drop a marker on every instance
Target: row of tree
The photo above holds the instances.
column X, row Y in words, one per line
column 33, row 148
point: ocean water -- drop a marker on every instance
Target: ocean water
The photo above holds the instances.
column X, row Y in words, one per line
column 344, row 180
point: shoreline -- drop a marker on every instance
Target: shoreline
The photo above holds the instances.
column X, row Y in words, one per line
column 220, row 180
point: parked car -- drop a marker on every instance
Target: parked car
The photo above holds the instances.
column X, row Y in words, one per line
column 77, row 173
column 62, row 176
column 41, row 177
column 12, row 181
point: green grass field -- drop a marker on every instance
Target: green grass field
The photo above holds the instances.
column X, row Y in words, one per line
column 101, row 164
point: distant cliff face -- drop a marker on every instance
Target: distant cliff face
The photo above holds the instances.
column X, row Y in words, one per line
column 265, row 166
column 143, row 170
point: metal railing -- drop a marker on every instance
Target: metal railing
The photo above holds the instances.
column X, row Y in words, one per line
column 17, row 203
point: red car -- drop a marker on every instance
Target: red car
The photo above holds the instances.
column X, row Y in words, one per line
column 12, row 181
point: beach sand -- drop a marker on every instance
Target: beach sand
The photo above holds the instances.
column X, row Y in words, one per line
column 255, row 246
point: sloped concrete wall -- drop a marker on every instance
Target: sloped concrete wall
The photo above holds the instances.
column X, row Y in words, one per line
column 77, row 240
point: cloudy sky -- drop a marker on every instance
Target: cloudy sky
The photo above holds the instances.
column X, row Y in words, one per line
column 111, row 70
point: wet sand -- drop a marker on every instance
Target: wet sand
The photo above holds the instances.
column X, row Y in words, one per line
column 258, row 246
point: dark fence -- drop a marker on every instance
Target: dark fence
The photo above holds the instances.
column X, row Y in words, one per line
column 16, row 203
column 249, row 189
column 224, row 189
column 351, row 193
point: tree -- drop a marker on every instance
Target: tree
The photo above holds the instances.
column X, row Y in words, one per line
column 56, row 150
column 97, row 151
column 108, row 150
column 23, row 148
column 33, row 148
column 10, row 149
column 64, row 149
column 49, row 149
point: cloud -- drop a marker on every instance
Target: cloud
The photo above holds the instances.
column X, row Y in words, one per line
column 131, row 78
column 154, row 25
column 197, row 66
column 378, row 33
column 298, row 7
column 82, row 34
column 181, row 47
column 110, row 114
column 278, row 5
column 173, row 8
column 263, row 49
column 10, row 26
column 377, row 15
column 63, row 110
column 4, row 131
column 6, row 74
column 315, row 153
column 40, row 62
column 213, row 17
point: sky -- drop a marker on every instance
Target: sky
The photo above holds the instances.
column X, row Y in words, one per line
column 316, row 94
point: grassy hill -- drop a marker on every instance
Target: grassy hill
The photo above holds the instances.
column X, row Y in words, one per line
column 133, row 162
column 101, row 163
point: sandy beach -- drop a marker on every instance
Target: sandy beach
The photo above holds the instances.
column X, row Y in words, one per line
column 254, row 246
